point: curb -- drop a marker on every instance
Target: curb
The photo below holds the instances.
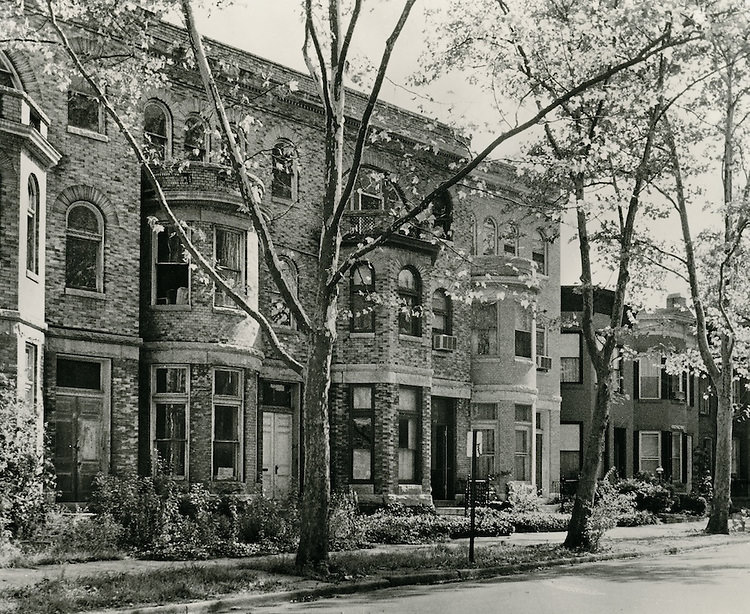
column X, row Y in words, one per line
column 425, row 577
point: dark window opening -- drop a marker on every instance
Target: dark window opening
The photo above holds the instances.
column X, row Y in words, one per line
column 83, row 374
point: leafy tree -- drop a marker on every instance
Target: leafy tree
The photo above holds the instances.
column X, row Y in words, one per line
column 600, row 148
column 328, row 38
column 705, row 139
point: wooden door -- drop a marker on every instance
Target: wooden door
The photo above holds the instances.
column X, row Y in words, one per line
column 277, row 454
column 79, row 444
column 443, row 448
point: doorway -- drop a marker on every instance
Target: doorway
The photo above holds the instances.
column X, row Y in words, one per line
column 443, row 448
column 277, row 454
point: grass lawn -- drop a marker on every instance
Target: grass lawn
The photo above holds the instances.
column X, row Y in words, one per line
column 64, row 596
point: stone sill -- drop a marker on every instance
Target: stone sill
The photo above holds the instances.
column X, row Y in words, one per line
column 90, row 134
column 99, row 296
column 362, row 335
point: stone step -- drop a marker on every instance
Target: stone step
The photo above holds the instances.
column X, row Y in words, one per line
column 449, row 511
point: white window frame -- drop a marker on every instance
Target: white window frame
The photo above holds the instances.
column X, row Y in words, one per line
column 31, row 375
column 170, row 397
column 226, row 302
column 238, row 403
column 653, row 360
column 641, row 457
column 168, row 125
column 33, row 226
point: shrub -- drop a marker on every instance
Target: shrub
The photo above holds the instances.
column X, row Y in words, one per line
column 636, row 519
column 650, row 495
column 23, row 473
column 690, row 504
column 270, row 524
column 609, row 505
column 538, row 522
column 489, row 523
column 396, row 524
column 523, row 498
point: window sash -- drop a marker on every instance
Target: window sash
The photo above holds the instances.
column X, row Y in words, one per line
column 171, row 272
column 226, row 440
column 84, row 111
column 361, row 433
column 229, row 248
column 649, row 377
column 649, row 451
column 522, row 454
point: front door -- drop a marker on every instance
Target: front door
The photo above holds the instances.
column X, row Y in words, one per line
column 443, row 448
column 79, row 444
column 277, row 454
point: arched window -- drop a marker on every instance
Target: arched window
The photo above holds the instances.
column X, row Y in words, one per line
column 32, row 226
column 510, row 241
column 157, row 131
column 539, row 252
column 442, row 313
column 442, row 209
column 284, row 170
column 410, row 299
column 196, row 139
column 84, row 248
column 374, row 191
column 281, row 315
column 8, row 76
column 489, row 237
column 362, row 285
column 240, row 139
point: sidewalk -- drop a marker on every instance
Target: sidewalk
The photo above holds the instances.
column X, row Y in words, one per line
column 619, row 543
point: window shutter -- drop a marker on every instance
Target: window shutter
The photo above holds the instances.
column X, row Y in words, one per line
column 636, row 448
column 666, row 454
column 685, row 451
column 636, row 382
column 692, row 390
column 666, row 393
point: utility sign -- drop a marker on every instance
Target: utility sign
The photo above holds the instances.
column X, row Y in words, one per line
column 468, row 443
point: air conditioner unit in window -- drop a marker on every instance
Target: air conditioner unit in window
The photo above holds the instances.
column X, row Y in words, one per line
column 543, row 363
column 447, row 343
column 678, row 395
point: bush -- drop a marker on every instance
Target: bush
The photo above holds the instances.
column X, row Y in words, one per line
column 636, row 519
column 539, row 522
column 609, row 505
column 489, row 523
column 396, row 524
column 23, row 473
column 271, row 524
column 649, row 494
column 523, row 498
column 691, row 504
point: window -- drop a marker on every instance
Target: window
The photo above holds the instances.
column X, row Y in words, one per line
column 281, row 315
column 361, row 432
column 31, row 382
column 541, row 339
column 171, row 284
column 649, row 377
column 489, row 237
column 484, row 337
column 522, row 467
column 410, row 301
column 84, row 248
column 409, row 404
column 510, row 241
column 442, row 313
column 523, row 331
column 229, row 248
column 277, row 394
column 84, row 374
column 708, row 451
column 570, row 451
column 442, row 209
column 8, row 76
column 240, row 139
column 484, row 411
column 157, row 131
column 570, row 358
column 84, row 111
column 227, row 406
column 539, row 252
column 32, row 226
column 486, row 457
column 284, row 163
column 649, row 456
column 374, row 191
column 362, row 287
column 170, row 420
column 195, row 144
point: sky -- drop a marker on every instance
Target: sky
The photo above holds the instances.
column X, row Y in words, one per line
column 274, row 30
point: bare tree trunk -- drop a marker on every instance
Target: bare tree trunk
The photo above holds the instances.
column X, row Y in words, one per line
column 718, row 521
column 313, row 545
column 577, row 537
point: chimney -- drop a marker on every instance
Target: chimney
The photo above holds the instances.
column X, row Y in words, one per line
column 676, row 301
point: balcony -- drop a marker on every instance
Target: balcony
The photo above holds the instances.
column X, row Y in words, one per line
column 195, row 181
column 513, row 267
column 355, row 225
